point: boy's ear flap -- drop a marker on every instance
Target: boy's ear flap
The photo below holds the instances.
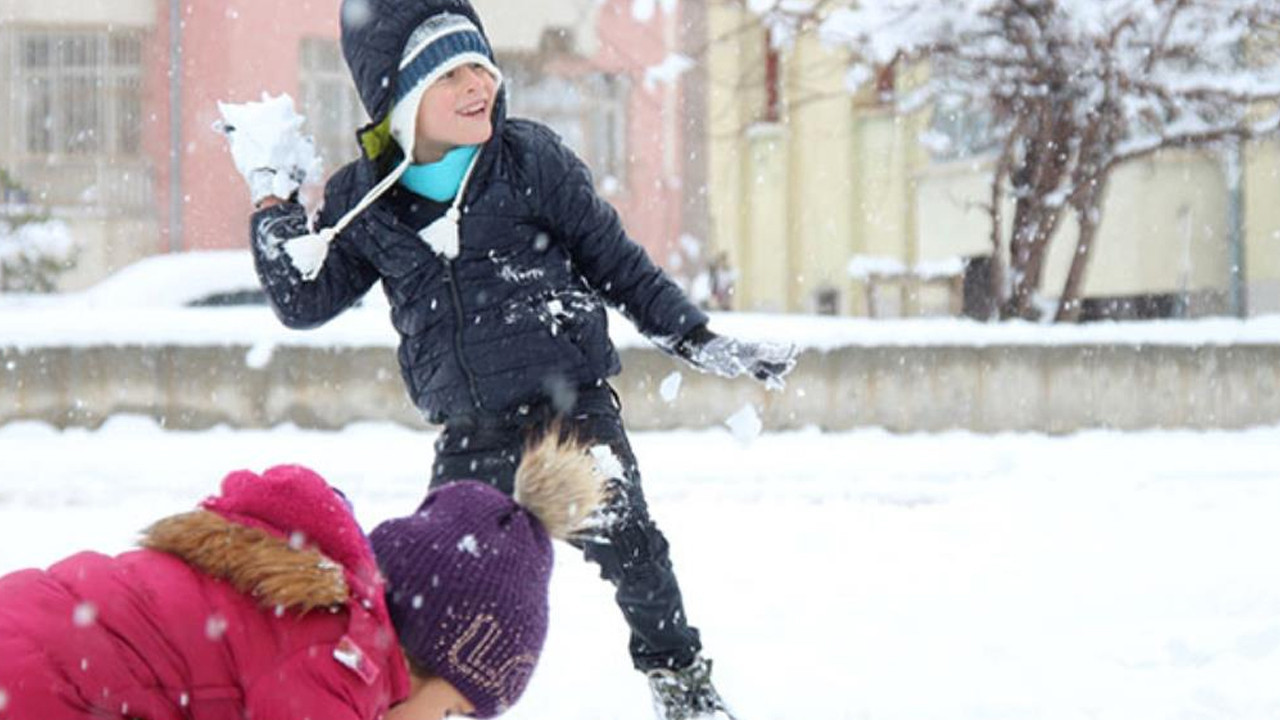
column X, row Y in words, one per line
column 375, row 139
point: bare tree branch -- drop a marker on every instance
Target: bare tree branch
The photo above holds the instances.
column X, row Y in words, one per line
column 1072, row 91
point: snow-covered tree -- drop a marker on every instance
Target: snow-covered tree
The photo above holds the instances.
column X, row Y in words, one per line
column 34, row 250
column 1070, row 89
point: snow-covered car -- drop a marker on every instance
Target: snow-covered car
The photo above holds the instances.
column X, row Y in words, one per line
column 192, row 279
column 202, row 278
column 199, row 278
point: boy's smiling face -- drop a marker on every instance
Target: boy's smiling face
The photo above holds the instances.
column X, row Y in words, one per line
column 456, row 110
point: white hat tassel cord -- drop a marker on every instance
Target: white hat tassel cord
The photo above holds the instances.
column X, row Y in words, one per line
column 442, row 234
column 308, row 252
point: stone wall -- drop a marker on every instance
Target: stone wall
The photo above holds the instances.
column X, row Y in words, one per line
column 993, row 388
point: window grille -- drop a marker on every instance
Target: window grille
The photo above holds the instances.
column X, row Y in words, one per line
column 330, row 102
column 80, row 93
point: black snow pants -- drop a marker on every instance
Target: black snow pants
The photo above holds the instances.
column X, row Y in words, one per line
column 633, row 552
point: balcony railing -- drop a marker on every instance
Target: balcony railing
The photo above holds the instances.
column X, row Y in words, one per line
column 100, row 186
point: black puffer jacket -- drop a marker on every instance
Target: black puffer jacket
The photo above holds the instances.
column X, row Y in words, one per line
column 518, row 315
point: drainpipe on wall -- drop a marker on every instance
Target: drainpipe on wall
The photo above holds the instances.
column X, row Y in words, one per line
column 1235, row 160
column 175, row 125
column 695, row 216
column 1239, row 305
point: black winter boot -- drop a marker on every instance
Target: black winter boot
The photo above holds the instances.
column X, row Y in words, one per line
column 687, row 693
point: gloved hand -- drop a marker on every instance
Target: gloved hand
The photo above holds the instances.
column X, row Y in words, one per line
column 729, row 357
column 268, row 147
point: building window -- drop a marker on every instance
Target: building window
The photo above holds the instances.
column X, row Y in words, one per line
column 958, row 132
column 607, row 122
column 330, row 102
column 826, row 301
column 80, row 93
column 588, row 111
column 962, row 125
column 554, row 100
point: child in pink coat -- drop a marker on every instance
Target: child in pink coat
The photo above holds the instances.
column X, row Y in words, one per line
column 267, row 602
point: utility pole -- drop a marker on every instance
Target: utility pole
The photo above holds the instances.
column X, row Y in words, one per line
column 175, row 126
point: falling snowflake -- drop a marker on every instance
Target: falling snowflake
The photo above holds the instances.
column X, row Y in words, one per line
column 670, row 387
column 215, row 627
column 745, row 424
column 85, row 614
column 468, row 544
column 259, row 356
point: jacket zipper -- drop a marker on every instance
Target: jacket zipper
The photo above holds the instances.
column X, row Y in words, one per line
column 461, row 319
column 472, row 384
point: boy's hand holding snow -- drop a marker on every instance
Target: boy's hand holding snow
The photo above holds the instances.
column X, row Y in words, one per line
column 729, row 357
column 268, row 147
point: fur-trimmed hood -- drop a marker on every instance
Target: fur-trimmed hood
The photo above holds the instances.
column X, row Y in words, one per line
column 263, row 602
column 277, row 572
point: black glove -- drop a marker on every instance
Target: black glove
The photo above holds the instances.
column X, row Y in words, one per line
column 729, row 357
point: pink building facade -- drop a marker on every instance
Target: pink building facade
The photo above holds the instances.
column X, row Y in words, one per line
column 237, row 49
column 651, row 201
column 231, row 51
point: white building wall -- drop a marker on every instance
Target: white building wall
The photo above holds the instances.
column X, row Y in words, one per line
column 516, row 28
column 140, row 13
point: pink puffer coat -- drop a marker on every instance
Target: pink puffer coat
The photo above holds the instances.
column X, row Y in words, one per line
column 263, row 604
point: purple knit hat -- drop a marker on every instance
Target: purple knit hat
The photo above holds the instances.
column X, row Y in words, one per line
column 467, row 578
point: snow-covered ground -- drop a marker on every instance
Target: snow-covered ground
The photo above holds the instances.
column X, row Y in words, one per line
column 859, row 575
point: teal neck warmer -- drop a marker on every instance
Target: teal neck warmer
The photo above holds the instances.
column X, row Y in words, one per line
column 440, row 180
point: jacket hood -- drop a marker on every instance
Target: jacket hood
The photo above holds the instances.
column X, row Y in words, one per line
column 254, row 561
column 374, row 33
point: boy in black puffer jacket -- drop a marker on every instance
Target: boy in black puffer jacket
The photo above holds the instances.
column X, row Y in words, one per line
column 498, row 258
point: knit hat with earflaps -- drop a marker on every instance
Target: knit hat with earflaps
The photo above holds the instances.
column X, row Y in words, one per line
column 468, row 573
column 441, row 43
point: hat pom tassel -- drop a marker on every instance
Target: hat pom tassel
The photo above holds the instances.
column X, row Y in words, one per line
column 308, row 252
column 560, row 483
column 442, row 235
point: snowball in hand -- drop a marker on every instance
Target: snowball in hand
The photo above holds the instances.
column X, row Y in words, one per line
column 268, row 147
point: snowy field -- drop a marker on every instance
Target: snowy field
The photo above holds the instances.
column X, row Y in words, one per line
column 858, row 575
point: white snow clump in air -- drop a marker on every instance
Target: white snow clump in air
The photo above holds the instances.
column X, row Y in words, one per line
column 745, row 424
column 468, row 544
column 215, row 626
column 642, row 10
column 84, row 615
column 259, row 356
column 668, row 71
column 670, row 387
column 356, row 12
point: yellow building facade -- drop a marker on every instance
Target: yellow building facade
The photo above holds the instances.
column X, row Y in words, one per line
column 824, row 178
